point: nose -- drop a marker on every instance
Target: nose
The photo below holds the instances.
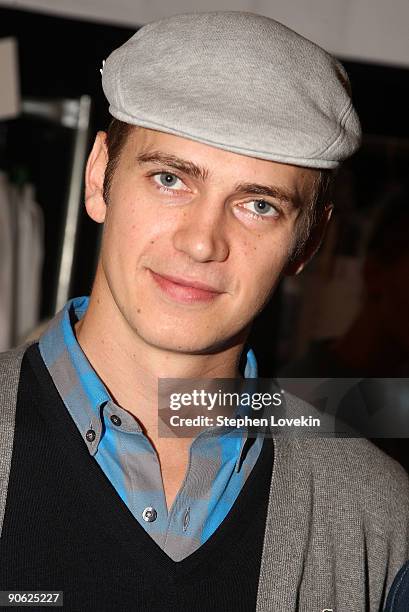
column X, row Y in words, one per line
column 201, row 233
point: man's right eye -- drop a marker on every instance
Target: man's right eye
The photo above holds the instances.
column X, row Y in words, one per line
column 168, row 181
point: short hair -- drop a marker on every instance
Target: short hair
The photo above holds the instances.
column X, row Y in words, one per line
column 117, row 135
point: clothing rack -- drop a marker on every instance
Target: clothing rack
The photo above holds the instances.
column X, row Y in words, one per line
column 74, row 114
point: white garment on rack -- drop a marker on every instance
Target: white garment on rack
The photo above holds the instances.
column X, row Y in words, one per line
column 6, row 265
column 30, row 227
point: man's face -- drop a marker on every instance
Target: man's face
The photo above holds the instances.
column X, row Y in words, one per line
column 184, row 211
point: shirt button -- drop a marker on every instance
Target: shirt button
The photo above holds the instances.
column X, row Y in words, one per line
column 149, row 514
column 116, row 420
column 90, row 435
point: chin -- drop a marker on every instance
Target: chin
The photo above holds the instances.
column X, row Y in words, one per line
column 178, row 342
column 179, row 339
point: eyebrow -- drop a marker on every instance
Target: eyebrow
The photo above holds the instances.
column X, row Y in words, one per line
column 191, row 169
column 165, row 159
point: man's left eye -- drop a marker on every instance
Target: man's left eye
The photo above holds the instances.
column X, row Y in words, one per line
column 262, row 208
column 168, row 180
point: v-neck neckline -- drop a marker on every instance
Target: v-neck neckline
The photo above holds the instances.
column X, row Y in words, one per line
column 118, row 519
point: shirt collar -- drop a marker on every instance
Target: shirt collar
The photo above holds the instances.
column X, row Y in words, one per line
column 80, row 387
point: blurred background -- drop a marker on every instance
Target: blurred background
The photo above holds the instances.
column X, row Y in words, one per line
column 346, row 313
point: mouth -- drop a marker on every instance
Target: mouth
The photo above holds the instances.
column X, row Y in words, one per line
column 185, row 290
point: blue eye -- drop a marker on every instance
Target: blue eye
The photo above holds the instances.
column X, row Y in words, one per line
column 167, row 180
column 262, row 208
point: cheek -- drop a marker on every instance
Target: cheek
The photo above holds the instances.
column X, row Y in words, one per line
column 133, row 222
column 260, row 270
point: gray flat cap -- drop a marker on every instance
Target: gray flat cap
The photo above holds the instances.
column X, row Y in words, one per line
column 236, row 81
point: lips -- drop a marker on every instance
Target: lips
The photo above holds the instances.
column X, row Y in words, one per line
column 186, row 282
column 184, row 289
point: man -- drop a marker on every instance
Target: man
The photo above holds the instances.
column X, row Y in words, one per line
column 210, row 185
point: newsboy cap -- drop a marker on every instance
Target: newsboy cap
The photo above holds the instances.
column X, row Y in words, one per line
column 237, row 81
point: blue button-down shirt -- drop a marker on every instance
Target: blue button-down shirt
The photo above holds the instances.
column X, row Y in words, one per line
column 219, row 459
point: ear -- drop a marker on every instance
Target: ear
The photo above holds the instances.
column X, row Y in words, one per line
column 94, row 179
column 312, row 244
